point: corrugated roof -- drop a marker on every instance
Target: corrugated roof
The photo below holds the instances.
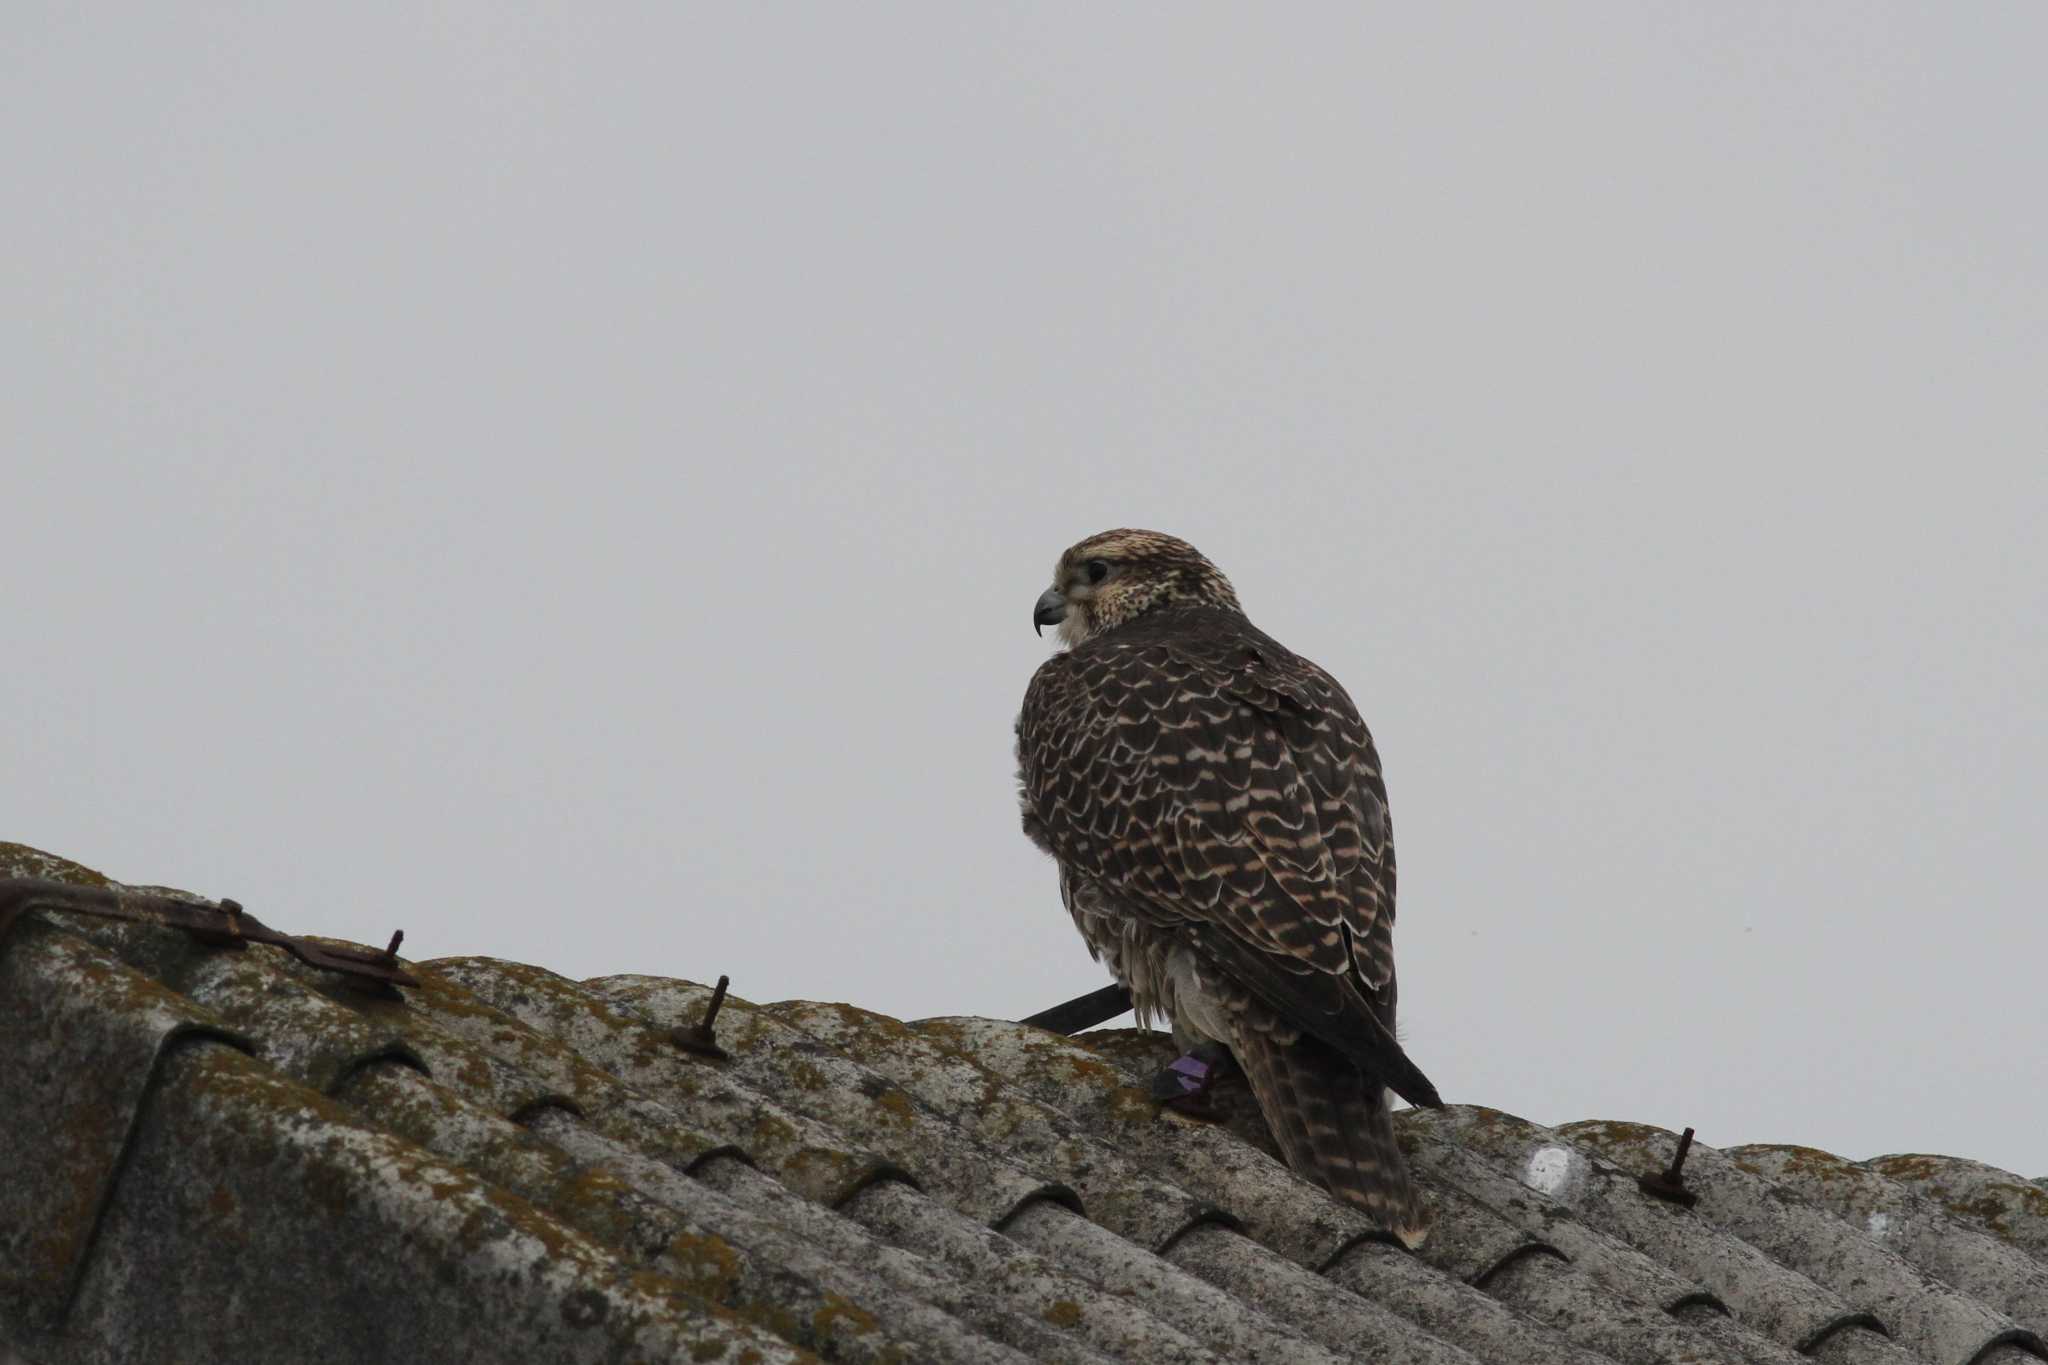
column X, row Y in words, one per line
column 228, row 1155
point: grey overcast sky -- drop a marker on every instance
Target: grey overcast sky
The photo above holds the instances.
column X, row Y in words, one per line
column 571, row 481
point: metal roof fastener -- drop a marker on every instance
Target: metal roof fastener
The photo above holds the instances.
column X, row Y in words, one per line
column 1669, row 1185
column 226, row 925
column 698, row 1037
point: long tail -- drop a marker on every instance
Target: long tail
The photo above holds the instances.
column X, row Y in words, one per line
column 1334, row 1127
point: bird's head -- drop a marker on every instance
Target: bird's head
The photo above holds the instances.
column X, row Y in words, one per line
column 1117, row 576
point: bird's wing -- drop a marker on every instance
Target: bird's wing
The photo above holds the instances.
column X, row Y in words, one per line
column 1224, row 785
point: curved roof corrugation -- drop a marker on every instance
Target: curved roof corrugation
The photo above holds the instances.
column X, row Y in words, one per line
column 227, row 1155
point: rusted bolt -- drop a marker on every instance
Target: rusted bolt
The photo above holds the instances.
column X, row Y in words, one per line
column 222, row 924
column 698, row 1037
column 1669, row 1185
column 391, row 948
column 1678, row 1158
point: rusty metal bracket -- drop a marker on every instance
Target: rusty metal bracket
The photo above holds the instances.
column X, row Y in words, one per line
column 226, row 925
column 1083, row 1011
column 698, row 1037
column 1670, row 1185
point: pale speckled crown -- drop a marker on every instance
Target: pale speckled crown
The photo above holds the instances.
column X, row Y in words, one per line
column 1148, row 570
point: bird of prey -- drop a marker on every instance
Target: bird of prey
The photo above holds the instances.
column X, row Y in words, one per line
column 1216, row 809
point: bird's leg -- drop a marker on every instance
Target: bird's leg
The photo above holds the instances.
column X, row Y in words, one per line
column 1185, row 1082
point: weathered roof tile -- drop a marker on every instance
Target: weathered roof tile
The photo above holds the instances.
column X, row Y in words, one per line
column 1922, row 1312
column 2009, row 1207
column 83, row 1037
column 1914, row 1228
column 232, row 1156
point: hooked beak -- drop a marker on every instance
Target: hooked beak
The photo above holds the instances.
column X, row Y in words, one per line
column 1050, row 611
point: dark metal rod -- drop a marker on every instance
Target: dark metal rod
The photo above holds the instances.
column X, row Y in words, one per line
column 699, row 1037
column 717, row 1002
column 226, row 924
column 1678, row 1160
column 1084, row 1011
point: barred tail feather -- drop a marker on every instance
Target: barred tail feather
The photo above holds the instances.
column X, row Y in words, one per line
column 1335, row 1127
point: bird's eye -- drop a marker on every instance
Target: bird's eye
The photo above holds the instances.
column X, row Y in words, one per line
column 1097, row 570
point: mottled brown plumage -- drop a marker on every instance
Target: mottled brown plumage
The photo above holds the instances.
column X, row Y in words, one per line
column 1216, row 808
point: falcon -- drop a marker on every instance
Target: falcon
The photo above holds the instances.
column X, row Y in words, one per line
column 1215, row 807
